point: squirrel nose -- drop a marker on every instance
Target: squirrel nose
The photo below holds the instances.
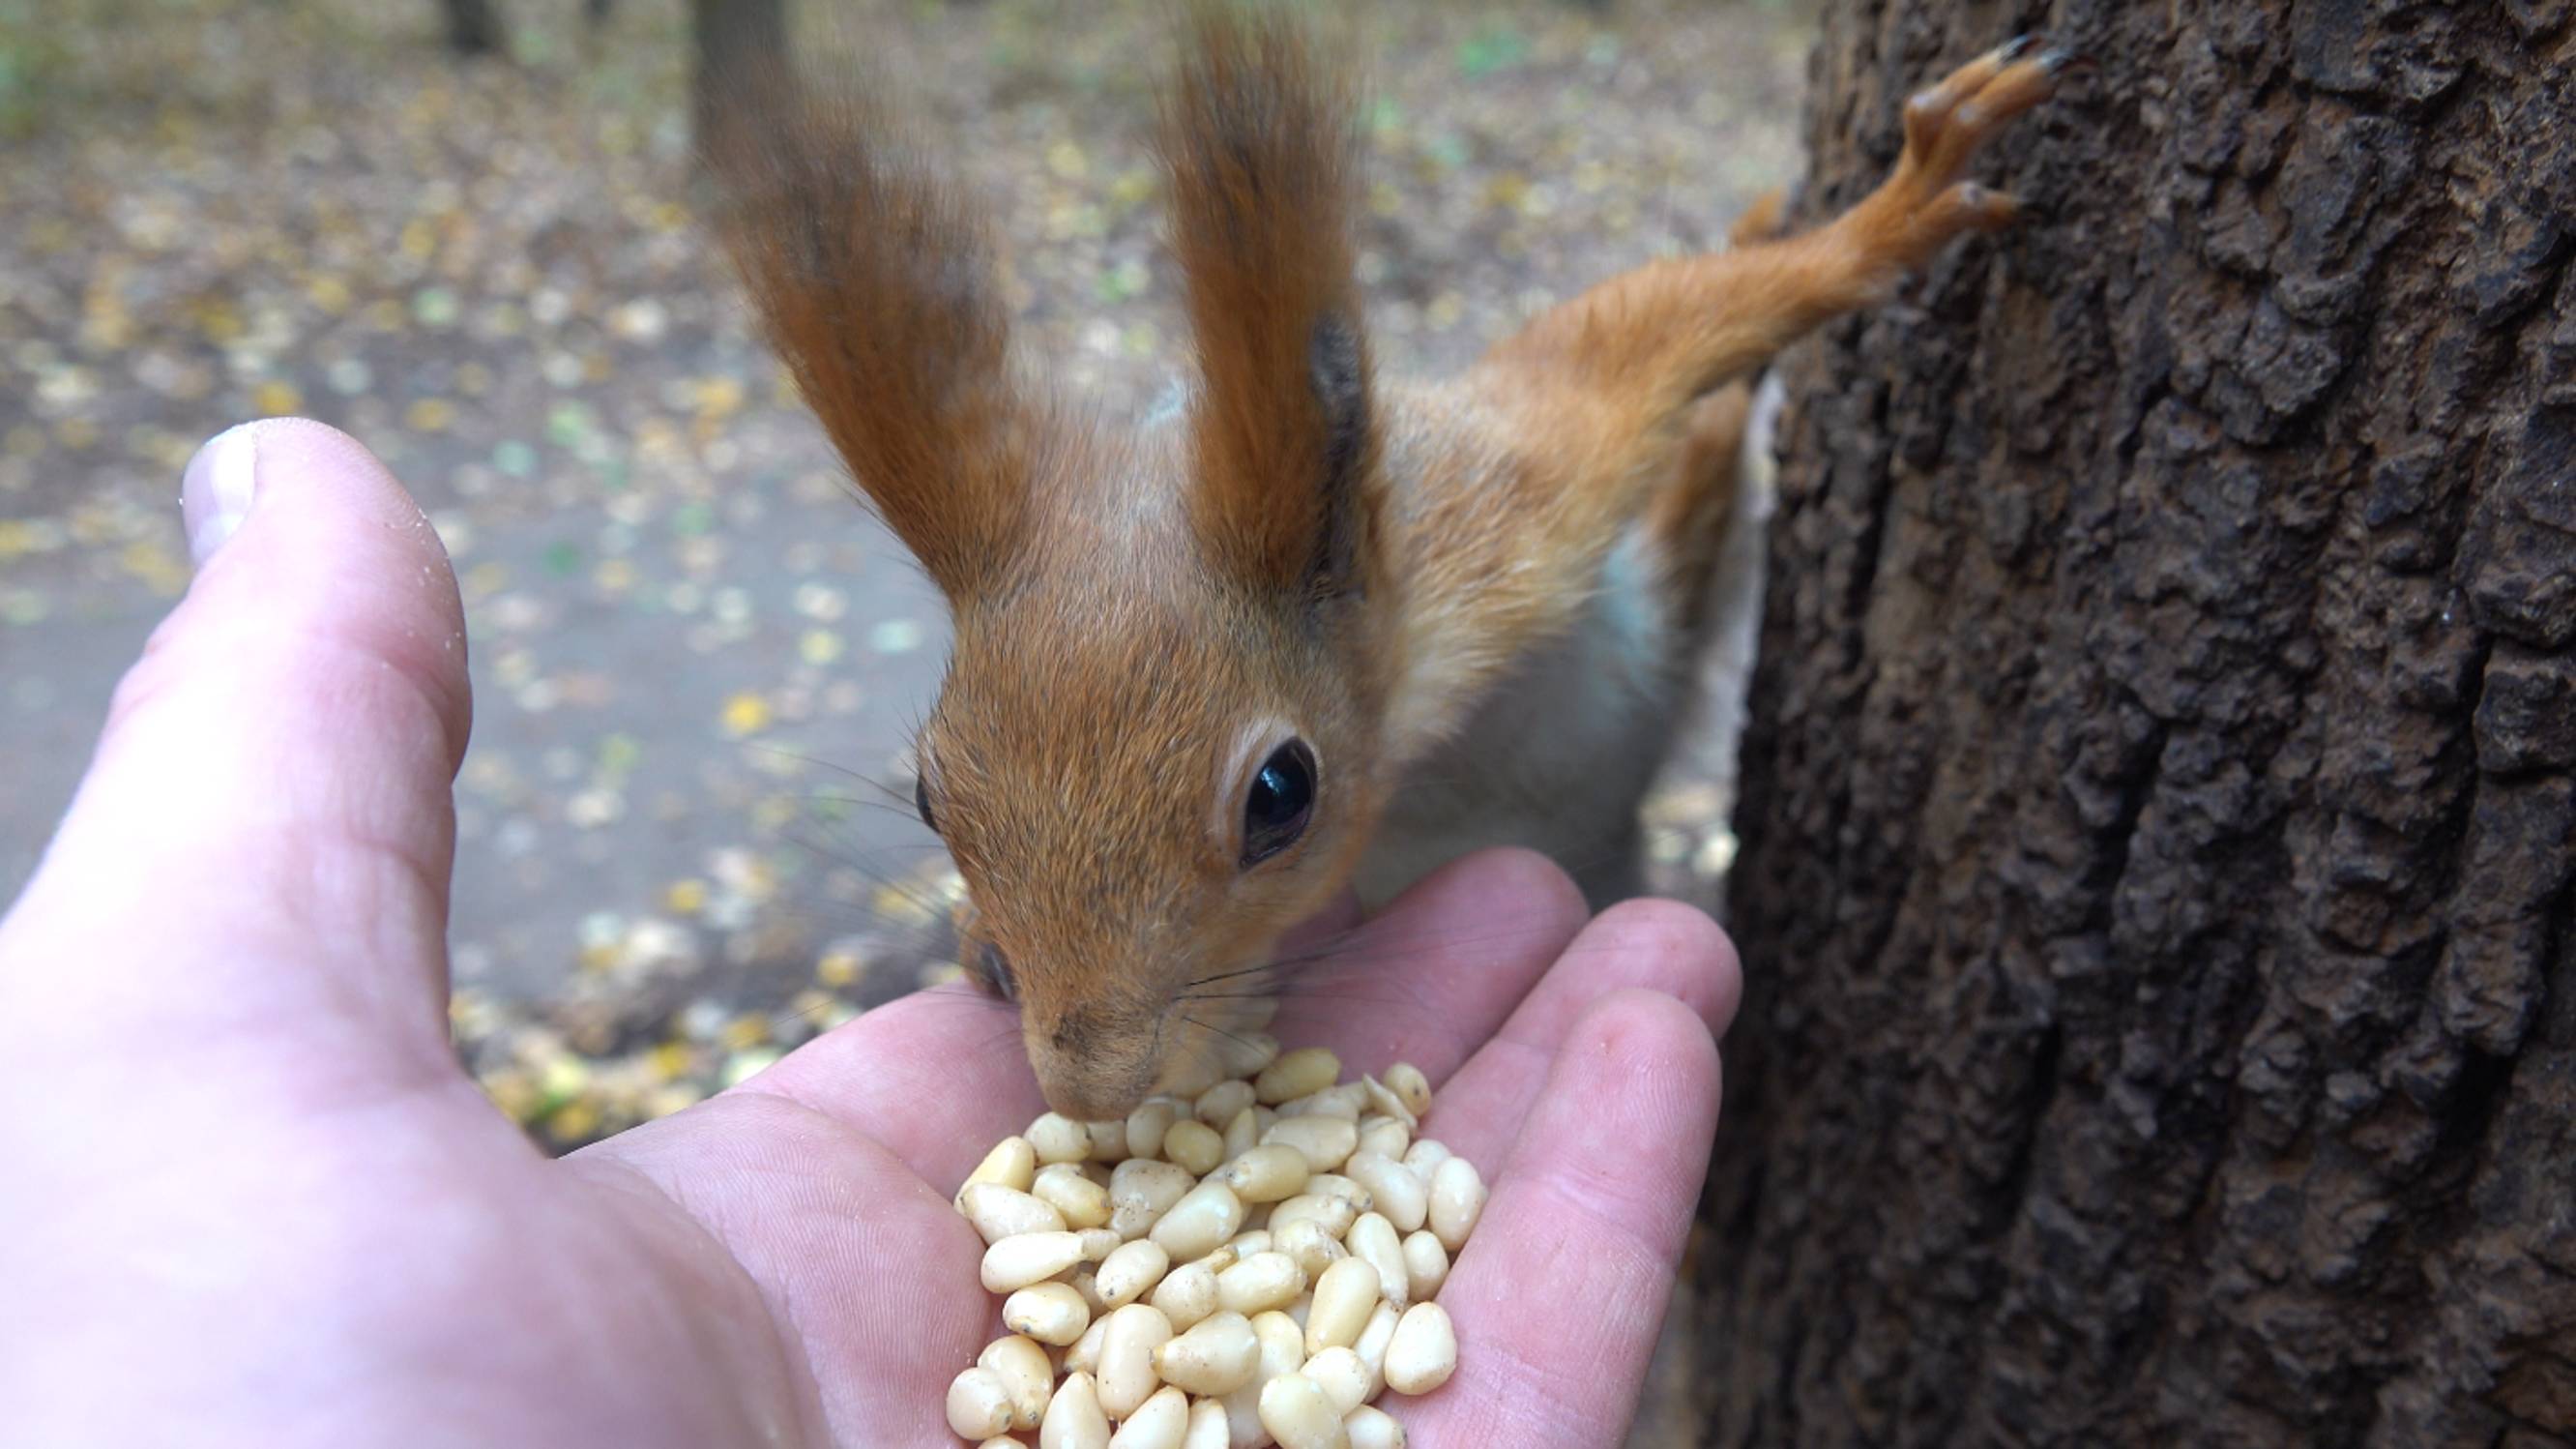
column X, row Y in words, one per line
column 1086, row 1100
column 1094, row 1064
column 1092, row 1081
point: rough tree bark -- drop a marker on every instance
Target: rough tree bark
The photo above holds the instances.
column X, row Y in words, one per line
column 2159, row 798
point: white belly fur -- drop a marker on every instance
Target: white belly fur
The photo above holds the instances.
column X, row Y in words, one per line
column 1558, row 757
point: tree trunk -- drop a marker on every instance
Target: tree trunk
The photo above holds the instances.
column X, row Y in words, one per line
column 475, row 28
column 2159, row 796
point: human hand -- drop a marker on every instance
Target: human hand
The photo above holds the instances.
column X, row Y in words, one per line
column 250, row 1197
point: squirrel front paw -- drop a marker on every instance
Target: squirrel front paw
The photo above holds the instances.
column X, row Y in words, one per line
column 1926, row 204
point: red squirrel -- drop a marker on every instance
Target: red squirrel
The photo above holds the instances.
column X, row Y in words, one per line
column 1314, row 627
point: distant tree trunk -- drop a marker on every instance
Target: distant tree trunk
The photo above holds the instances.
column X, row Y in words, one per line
column 2159, row 797
column 475, row 28
column 743, row 70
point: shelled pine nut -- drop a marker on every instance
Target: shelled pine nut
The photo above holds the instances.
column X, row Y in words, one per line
column 1345, row 1296
column 979, row 1404
column 1296, row 1074
column 1426, row 1265
column 1051, row 1313
column 1073, row 1417
column 1409, row 1085
column 1255, row 1260
column 1158, row 1424
column 1208, row 1427
column 1457, row 1199
column 1370, row 1427
column 1194, row 1147
column 1215, row 1357
column 1017, row 1262
column 1424, row 1352
column 1296, row 1410
column 1130, row 1272
column 1394, row 1189
column 1000, row 1212
column 1084, row 1203
column 1058, row 1139
column 1012, row 1163
column 1344, row 1377
column 1374, row 1238
column 1126, row 1377
column 1187, row 1294
column 1026, row 1372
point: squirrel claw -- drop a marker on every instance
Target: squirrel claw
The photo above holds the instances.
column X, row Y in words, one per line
column 1945, row 125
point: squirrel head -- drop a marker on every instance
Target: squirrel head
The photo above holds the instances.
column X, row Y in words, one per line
column 1157, row 745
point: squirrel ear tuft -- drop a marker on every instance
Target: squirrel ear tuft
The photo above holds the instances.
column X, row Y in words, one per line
column 874, row 282
column 1261, row 146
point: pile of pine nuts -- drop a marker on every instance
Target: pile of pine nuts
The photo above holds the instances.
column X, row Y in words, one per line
column 1254, row 1266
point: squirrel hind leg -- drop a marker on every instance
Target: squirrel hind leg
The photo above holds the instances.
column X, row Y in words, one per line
column 1688, row 522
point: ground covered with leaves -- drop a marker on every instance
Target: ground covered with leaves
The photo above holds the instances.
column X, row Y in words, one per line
column 685, row 832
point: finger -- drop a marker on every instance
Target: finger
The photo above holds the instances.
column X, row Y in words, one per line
column 1589, row 1216
column 1431, row 977
column 936, row 1077
column 1659, row 946
column 264, row 835
column 870, row 1268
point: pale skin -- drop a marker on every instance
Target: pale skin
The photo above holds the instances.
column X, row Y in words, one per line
column 255, row 1200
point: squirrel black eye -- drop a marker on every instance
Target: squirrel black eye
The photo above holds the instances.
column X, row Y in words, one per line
column 1281, row 801
column 921, row 802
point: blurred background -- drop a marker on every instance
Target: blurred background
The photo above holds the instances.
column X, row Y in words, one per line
column 464, row 232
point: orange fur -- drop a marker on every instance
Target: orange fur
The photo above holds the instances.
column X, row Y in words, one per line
column 1313, row 551
column 1260, row 146
column 1690, row 517
column 875, row 281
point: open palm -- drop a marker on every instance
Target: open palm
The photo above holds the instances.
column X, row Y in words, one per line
column 258, row 1202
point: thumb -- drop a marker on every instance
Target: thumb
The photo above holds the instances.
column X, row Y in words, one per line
column 264, row 835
